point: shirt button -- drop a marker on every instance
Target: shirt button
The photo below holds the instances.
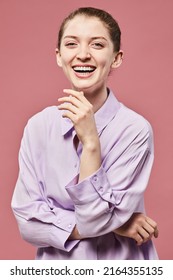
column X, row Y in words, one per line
column 69, row 226
column 95, row 178
column 75, row 165
column 59, row 221
column 100, row 189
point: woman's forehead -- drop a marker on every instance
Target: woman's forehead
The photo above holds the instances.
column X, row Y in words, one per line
column 82, row 24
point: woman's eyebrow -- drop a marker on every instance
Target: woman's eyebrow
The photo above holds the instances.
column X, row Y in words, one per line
column 98, row 37
column 70, row 36
column 92, row 38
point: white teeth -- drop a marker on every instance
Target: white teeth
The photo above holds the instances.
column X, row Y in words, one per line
column 84, row 68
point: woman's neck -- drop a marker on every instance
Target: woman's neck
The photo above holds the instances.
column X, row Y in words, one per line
column 98, row 100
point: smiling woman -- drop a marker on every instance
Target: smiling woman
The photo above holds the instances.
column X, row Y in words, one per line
column 86, row 53
column 85, row 164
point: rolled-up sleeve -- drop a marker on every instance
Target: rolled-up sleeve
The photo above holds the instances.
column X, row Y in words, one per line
column 39, row 223
column 107, row 199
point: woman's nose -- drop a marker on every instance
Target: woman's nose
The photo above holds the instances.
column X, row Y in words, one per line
column 83, row 53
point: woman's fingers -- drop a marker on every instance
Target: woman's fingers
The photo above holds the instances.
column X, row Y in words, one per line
column 80, row 111
column 156, row 233
column 77, row 94
column 139, row 227
column 75, row 100
column 147, row 229
column 68, row 107
column 145, row 235
column 70, row 99
column 153, row 224
column 139, row 240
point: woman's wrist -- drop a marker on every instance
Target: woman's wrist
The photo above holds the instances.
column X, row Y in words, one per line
column 90, row 160
column 92, row 144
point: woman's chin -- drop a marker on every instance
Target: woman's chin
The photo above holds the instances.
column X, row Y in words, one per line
column 89, row 88
column 84, row 88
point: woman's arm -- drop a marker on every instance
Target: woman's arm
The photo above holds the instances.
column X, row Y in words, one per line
column 139, row 227
column 80, row 112
column 40, row 223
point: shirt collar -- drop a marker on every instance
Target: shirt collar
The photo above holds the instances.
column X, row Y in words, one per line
column 102, row 117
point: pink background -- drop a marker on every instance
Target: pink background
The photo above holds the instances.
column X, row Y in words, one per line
column 30, row 81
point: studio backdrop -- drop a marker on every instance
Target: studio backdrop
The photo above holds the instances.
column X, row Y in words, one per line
column 30, row 81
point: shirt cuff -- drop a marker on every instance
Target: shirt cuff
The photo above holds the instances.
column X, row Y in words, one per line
column 91, row 188
column 61, row 240
column 64, row 219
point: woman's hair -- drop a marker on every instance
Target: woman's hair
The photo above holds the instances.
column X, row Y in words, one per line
column 110, row 23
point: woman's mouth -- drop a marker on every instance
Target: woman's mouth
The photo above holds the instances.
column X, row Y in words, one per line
column 83, row 71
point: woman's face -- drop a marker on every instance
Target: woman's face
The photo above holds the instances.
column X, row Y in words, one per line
column 86, row 53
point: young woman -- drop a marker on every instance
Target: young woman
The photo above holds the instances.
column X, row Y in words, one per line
column 84, row 165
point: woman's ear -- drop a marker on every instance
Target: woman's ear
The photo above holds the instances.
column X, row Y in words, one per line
column 58, row 57
column 118, row 59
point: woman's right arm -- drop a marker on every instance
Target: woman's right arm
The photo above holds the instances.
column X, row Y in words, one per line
column 39, row 223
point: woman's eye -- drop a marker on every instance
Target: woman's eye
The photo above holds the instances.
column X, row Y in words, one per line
column 98, row 45
column 70, row 44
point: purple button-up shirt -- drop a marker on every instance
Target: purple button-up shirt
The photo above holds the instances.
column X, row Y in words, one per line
column 48, row 201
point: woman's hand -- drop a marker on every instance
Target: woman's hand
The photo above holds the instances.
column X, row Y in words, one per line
column 80, row 111
column 75, row 235
column 139, row 227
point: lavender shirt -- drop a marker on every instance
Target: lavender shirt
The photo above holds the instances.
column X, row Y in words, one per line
column 48, row 200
